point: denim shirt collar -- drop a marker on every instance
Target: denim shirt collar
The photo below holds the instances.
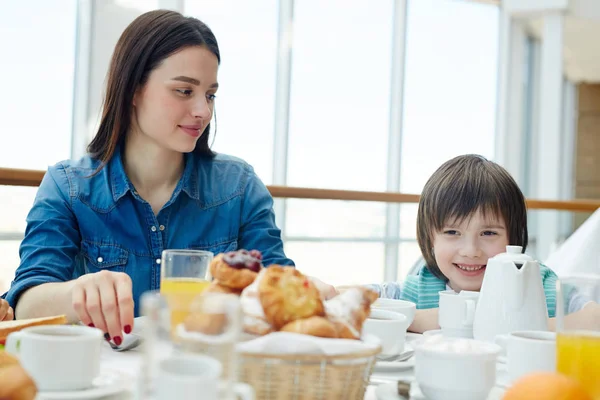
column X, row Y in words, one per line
column 121, row 184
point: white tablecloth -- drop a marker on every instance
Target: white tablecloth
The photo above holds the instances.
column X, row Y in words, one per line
column 128, row 363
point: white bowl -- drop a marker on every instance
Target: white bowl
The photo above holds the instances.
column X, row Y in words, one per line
column 455, row 368
column 404, row 307
column 390, row 327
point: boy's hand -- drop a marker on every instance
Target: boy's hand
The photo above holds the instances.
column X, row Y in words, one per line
column 6, row 311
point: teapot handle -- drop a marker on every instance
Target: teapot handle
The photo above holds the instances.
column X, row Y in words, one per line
column 515, row 280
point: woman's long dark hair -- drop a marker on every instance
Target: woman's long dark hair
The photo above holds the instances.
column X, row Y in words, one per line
column 144, row 44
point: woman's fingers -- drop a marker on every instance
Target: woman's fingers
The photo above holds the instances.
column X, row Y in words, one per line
column 94, row 307
column 110, row 306
column 5, row 311
column 78, row 299
column 123, row 287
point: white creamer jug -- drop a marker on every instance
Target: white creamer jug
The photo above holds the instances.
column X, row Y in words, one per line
column 512, row 296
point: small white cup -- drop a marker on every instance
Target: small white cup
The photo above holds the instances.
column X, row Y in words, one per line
column 455, row 368
column 528, row 351
column 184, row 377
column 390, row 327
column 457, row 312
column 58, row 357
column 404, row 307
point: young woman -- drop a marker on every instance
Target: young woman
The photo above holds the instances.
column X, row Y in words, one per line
column 150, row 182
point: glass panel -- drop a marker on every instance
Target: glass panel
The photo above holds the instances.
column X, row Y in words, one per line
column 409, row 256
column 334, row 218
column 408, row 220
column 339, row 106
column 247, row 37
column 450, row 85
column 37, row 94
column 9, row 261
column 15, row 203
column 339, row 263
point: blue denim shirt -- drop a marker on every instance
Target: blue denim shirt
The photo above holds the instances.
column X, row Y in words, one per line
column 81, row 225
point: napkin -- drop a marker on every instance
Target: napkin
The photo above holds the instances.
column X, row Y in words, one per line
column 277, row 343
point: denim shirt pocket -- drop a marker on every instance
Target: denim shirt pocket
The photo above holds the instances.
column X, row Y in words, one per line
column 104, row 256
column 216, row 248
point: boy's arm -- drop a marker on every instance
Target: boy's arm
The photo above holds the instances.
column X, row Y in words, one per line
column 425, row 320
column 588, row 318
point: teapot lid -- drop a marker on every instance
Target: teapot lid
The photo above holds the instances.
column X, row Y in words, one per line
column 514, row 254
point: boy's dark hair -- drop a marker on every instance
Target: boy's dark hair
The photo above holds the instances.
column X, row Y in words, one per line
column 462, row 186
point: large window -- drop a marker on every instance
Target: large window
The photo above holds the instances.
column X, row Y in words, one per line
column 247, row 35
column 38, row 62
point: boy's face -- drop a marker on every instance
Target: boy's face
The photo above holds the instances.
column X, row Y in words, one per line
column 462, row 249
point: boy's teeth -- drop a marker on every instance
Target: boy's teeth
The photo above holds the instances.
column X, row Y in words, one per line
column 466, row 268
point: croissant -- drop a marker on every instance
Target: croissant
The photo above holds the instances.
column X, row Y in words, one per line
column 314, row 326
column 349, row 310
column 236, row 269
column 287, row 295
column 15, row 383
column 216, row 287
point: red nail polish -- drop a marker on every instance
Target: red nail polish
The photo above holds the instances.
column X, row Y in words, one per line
column 117, row 340
column 91, row 325
column 127, row 329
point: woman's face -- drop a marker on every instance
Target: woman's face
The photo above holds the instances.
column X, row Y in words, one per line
column 176, row 104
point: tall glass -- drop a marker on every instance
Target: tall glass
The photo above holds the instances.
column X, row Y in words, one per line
column 184, row 275
column 578, row 336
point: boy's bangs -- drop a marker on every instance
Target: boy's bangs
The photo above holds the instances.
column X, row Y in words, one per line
column 461, row 200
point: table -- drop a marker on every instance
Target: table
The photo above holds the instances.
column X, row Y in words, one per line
column 129, row 363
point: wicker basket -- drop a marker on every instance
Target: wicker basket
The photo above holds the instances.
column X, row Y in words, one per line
column 308, row 377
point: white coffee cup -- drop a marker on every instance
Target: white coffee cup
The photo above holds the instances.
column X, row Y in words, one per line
column 455, row 368
column 405, row 307
column 528, row 351
column 184, row 377
column 457, row 312
column 390, row 327
column 58, row 357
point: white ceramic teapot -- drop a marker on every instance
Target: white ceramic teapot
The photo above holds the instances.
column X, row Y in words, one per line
column 512, row 296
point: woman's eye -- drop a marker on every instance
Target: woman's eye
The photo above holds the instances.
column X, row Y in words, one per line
column 185, row 92
column 211, row 97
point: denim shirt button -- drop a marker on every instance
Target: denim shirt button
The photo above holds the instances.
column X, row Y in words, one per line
column 100, row 259
column 158, row 260
column 153, row 229
column 162, row 227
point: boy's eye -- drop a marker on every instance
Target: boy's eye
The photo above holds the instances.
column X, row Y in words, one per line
column 489, row 233
column 450, row 232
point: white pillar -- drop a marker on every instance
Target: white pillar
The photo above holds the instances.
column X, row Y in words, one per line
column 282, row 104
column 550, row 124
column 510, row 132
column 392, row 226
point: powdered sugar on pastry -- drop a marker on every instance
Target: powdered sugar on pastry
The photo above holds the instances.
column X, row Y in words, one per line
column 254, row 316
column 342, row 307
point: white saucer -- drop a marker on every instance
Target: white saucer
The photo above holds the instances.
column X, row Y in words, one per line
column 432, row 332
column 396, row 365
column 108, row 383
column 388, row 391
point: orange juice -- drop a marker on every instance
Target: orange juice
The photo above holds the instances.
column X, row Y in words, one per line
column 578, row 356
column 179, row 293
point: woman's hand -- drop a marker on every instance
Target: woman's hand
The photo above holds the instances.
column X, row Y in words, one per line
column 588, row 318
column 327, row 291
column 105, row 300
column 6, row 311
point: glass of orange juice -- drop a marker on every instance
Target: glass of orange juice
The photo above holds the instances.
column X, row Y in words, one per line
column 578, row 337
column 184, row 275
